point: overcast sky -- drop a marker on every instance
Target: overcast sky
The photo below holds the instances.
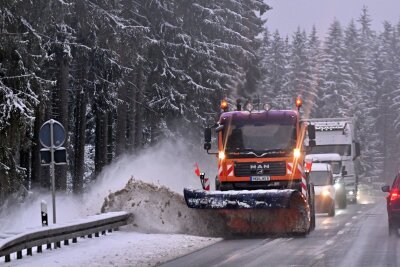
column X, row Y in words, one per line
column 287, row 15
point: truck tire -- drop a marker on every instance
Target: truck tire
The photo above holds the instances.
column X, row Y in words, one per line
column 311, row 194
column 217, row 183
column 331, row 212
column 342, row 202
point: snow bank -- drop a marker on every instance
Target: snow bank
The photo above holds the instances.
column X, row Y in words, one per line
column 156, row 209
column 169, row 164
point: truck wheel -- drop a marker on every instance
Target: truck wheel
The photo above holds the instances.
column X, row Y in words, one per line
column 311, row 195
column 331, row 212
column 217, row 183
column 312, row 224
column 342, row 202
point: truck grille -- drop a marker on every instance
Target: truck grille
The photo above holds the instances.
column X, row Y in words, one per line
column 260, row 169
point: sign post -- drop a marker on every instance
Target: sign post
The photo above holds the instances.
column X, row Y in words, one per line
column 52, row 137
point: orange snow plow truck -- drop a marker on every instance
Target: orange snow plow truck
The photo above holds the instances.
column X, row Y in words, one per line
column 262, row 185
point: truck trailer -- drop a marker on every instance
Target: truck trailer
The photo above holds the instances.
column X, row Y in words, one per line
column 338, row 135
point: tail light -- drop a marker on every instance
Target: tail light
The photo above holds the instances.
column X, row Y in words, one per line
column 394, row 194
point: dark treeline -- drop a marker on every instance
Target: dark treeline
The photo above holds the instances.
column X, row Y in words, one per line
column 119, row 75
column 353, row 71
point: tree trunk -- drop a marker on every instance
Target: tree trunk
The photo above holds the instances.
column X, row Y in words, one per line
column 139, row 110
column 63, row 82
column 109, row 134
column 38, row 174
column 100, row 158
column 79, row 142
column 120, row 137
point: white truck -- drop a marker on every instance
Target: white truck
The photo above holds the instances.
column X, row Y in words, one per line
column 338, row 135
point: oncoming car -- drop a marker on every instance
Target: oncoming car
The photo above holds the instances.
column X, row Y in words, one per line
column 322, row 178
column 393, row 205
column 338, row 174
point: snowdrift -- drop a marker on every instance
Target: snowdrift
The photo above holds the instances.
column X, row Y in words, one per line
column 157, row 209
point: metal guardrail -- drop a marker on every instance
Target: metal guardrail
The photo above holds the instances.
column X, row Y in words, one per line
column 55, row 234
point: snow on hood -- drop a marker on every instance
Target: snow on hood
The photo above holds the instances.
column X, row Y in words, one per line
column 324, row 157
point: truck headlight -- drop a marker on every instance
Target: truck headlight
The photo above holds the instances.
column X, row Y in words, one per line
column 296, row 153
column 221, row 155
column 325, row 193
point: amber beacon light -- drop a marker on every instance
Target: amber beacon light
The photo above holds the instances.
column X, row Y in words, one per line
column 224, row 105
column 299, row 102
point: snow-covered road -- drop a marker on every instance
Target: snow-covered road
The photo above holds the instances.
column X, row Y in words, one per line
column 357, row 236
column 122, row 248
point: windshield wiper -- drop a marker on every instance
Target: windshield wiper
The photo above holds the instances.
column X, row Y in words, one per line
column 247, row 151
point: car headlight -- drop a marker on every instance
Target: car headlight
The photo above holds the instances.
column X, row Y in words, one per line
column 325, row 193
column 336, row 186
column 351, row 193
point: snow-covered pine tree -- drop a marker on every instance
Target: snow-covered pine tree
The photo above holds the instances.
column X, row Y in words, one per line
column 299, row 71
column 314, row 55
column 371, row 155
column 22, row 85
column 387, row 83
column 337, row 84
column 275, row 74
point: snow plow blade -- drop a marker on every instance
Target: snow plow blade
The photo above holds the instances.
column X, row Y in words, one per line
column 256, row 212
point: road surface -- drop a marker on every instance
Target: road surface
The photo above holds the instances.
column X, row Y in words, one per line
column 357, row 236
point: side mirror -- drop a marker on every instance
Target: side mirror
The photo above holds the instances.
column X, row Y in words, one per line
column 207, row 135
column 311, row 132
column 344, row 172
column 207, row 138
column 386, row 188
column 312, row 143
column 358, row 149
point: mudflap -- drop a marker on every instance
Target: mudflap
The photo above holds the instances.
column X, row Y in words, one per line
column 256, row 212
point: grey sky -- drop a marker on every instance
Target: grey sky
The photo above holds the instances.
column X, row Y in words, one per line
column 287, row 15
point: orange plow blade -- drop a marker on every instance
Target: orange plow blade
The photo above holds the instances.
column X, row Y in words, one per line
column 256, row 212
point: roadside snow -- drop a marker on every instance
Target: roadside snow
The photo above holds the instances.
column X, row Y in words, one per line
column 122, row 248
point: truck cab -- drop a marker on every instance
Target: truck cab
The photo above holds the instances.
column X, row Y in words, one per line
column 260, row 150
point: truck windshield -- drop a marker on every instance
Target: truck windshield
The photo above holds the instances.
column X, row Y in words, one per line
column 343, row 150
column 320, row 178
column 336, row 166
column 265, row 136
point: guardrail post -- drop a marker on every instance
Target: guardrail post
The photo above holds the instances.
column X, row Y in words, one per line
column 66, row 242
column 19, row 255
column 57, row 245
column 43, row 208
column 110, row 230
column 96, row 234
column 89, row 236
column 103, row 232
column 49, row 246
column 74, row 240
column 39, row 249
column 8, row 258
column 29, row 251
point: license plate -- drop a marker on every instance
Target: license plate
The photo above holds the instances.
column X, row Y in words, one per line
column 260, row 178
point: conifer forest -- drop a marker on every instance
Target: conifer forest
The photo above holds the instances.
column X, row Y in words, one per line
column 123, row 75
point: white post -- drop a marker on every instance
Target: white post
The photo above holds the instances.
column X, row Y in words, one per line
column 52, row 170
column 43, row 208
